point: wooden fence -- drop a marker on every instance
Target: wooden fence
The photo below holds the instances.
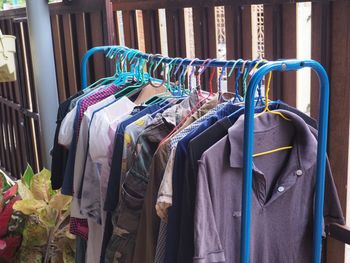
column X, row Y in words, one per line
column 139, row 24
column 75, row 29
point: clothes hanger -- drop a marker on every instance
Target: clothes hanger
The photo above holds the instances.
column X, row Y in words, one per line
column 105, row 80
column 266, row 109
column 169, row 93
column 163, row 91
column 191, row 74
column 181, row 87
column 201, row 69
column 240, row 99
column 154, row 70
column 246, row 74
column 222, row 73
column 131, row 89
column 251, row 73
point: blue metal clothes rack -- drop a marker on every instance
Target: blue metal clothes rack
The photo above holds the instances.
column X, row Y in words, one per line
column 265, row 67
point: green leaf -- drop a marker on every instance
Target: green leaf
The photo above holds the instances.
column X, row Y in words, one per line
column 34, row 235
column 27, row 176
column 24, row 191
column 60, row 202
column 29, row 206
column 41, row 185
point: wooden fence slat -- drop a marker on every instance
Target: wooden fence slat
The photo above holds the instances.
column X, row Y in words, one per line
column 233, row 29
column 320, row 48
column 176, row 32
column 116, row 28
column 130, row 32
column 4, row 135
column 289, row 50
column 108, row 20
column 151, row 31
column 97, row 40
column 339, row 117
column 4, row 116
column 2, row 139
column 21, row 83
column 57, row 44
column 205, row 43
column 246, row 32
column 31, row 95
column 82, row 39
column 272, row 44
column 69, row 52
column 15, row 123
column 8, row 120
column 212, row 43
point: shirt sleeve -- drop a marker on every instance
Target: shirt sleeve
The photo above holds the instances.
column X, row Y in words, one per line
column 66, row 130
column 165, row 192
column 99, row 139
column 207, row 243
column 332, row 209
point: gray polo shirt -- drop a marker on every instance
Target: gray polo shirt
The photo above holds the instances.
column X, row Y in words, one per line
column 283, row 194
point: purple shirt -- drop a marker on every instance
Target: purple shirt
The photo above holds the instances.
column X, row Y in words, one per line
column 282, row 200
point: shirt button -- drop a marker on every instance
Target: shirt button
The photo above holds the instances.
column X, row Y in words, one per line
column 299, row 172
column 280, row 189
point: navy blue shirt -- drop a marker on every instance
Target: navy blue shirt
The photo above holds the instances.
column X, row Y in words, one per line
column 174, row 212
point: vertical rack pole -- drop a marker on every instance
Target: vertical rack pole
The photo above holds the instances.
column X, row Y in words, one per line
column 44, row 71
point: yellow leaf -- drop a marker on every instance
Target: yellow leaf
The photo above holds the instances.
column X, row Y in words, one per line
column 29, row 206
column 48, row 216
column 60, row 201
column 69, row 235
column 41, row 185
column 24, row 191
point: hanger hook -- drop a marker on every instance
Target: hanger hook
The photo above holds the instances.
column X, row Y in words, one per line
column 192, row 72
column 159, row 62
column 153, row 70
column 151, row 58
column 205, row 65
column 222, row 73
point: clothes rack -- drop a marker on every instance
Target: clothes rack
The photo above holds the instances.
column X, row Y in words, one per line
column 263, row 69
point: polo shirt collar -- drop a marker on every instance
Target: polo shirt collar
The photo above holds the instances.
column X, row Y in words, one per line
column 304, row 145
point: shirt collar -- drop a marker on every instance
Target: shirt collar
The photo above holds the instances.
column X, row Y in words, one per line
column 304, row 145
